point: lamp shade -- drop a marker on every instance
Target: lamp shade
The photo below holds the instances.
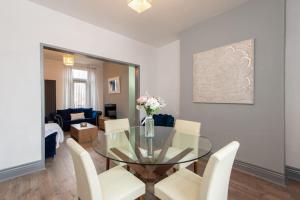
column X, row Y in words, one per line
column 68, row 60
column 139, row 5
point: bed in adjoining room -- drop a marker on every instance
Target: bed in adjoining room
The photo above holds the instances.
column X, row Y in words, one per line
column 54, row 135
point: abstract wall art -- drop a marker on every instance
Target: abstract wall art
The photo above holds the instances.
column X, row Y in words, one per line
column 114, row 85
column 225, row 74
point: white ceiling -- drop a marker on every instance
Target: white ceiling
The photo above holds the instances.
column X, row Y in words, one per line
column 157, row 26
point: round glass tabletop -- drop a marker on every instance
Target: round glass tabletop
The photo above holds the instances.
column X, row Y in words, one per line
column 167, row 147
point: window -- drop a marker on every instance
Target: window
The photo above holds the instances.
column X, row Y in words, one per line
column 80, row 74
column 80, row 80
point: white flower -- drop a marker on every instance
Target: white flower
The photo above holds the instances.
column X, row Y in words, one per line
column 138, row 107
column 161, row 102
column 152, row 103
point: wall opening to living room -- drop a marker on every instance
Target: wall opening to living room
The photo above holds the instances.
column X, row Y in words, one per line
column 81, row 88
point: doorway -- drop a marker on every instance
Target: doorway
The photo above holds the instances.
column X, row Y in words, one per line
column 75, row 80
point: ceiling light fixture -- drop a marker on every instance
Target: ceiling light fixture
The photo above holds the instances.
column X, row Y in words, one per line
column 139, row 5
column 68, row 60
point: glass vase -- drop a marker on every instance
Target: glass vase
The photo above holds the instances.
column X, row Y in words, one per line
column 150, row 151
column 149, row 126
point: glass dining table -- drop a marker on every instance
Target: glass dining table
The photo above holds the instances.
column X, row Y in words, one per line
column 151, row 157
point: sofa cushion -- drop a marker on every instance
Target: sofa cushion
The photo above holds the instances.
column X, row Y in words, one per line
column 159, row 120
column 77, row 121
column 90, row 120
column 75, row 116
column 88, row 112
column 76, row 110
column 169, row 120
column 65, row 114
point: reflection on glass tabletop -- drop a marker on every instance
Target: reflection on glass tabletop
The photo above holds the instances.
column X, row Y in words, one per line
column 168, row 146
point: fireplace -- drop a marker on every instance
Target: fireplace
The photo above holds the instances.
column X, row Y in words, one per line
column 110, row 110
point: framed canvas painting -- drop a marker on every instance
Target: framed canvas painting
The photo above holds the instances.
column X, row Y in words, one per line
column 225, row 74
column 114, row 85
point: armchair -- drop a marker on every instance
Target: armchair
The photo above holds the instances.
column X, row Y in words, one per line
column 163, row 120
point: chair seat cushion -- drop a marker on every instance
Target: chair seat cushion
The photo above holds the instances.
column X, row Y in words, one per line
column 182, row 185
column 119, row 184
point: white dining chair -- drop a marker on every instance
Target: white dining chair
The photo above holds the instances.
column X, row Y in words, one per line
column 188, row 127
column 186, row 185
column 184, row 128
column 118, row 126
column 114, row 184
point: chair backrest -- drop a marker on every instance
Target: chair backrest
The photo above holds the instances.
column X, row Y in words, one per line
column 217, row 173
column 188, row 127
column 88, row 186
column 116, row 125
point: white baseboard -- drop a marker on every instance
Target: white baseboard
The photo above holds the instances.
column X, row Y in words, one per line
column 292, row 173
column 21, row 170
column 261, row 172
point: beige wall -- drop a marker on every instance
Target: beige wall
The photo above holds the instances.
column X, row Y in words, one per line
column 53, row 70
column 122, row 99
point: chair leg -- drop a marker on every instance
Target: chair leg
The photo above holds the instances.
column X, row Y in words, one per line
column 107, row 163
column 196, row 167
column 128, row 168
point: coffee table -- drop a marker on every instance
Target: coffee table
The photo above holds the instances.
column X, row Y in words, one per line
column 84, row 134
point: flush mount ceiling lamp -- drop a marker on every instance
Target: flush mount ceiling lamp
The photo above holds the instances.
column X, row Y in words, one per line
column 68, row 60
column 139, row 5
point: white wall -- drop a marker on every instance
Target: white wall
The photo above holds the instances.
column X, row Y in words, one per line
column 292, row 101
column 167, row 76
column 168, row 79
column 24, row 25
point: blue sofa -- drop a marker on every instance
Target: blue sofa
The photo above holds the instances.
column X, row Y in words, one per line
column 163, row 120
column 63, row 117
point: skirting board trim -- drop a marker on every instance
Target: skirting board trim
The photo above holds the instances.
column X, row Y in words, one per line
column 21, row 170
column 257, row 171
column 261, row 172
column 292, row 173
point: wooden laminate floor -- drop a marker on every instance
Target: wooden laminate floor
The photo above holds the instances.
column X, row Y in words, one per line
column 57, row 182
